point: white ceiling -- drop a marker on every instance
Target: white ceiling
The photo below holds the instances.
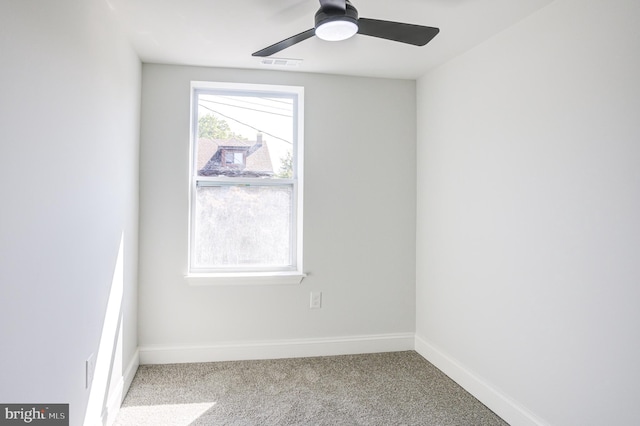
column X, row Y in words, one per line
column 225, row 33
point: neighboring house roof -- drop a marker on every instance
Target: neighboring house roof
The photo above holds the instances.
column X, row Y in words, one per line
column 255, row 153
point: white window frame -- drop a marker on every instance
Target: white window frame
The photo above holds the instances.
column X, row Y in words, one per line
column 249, row 275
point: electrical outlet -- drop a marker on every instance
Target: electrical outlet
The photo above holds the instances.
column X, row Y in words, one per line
column 316, row 300
column 90, row 368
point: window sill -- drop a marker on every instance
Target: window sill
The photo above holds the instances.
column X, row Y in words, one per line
column 246, row 278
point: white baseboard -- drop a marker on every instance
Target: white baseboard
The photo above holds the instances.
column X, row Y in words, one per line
column 117, row 395
column 130, row 372
column 508, row 409
column 296, row 348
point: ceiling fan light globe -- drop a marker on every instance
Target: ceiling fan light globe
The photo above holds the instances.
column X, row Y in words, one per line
column 336, row 30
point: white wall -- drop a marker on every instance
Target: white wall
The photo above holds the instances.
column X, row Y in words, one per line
column 528, row 230
column 359, row 225
column 69, row 127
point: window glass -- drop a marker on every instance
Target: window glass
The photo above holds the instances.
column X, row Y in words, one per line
column 254, row 132
column 243, row 225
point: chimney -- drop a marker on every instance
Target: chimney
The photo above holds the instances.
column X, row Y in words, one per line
column 257, row 145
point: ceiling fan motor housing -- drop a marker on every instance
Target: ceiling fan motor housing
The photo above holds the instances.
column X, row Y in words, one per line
column 331, row 14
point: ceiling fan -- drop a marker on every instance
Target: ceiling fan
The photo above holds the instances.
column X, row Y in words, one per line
column 338, row 20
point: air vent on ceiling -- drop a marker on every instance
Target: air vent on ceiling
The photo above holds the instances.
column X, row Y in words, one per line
column 280, row 62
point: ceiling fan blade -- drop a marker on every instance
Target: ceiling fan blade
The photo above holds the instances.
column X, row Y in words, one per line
column 333, row 4
column 417, row 35
column 281, row 45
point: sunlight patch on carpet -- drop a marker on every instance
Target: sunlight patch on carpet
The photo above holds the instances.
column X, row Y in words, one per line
column 169, row 414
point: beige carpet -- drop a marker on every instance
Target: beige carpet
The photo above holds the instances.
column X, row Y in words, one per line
column 399, row 388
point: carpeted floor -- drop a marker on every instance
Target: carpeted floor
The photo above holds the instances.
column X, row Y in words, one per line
column 399, row 388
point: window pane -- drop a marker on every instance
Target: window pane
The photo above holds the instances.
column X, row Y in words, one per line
column 244, row 135
column 240, row 225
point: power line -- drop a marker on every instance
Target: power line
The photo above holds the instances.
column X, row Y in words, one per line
column 250, row 109
column 238, row 99
column 245, row 124
column 276, row 100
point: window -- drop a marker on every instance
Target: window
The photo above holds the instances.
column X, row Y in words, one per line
column 246, row 182
column 234, row 158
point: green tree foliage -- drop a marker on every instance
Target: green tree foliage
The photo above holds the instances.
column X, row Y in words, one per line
column 212, row 127
column 286, row 167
